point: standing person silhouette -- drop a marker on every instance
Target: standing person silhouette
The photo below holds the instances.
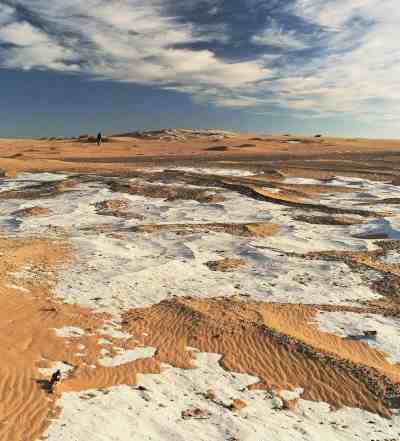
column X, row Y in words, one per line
column 99, row 138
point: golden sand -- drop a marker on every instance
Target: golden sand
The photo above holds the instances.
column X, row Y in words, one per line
column 243, row 334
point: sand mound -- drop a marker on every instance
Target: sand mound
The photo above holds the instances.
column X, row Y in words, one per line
column 240, row 331
column 31, row 212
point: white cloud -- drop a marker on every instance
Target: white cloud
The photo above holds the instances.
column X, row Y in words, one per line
column 31, row 47
column 353, row 68
column 125, row 40
column 358, row 70
column 22, row 34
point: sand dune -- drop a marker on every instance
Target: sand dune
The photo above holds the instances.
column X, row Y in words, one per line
column 236, row 331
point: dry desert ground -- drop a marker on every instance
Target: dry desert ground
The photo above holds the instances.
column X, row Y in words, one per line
column 200, row 285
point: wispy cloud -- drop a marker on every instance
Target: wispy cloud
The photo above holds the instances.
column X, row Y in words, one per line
column 128, row 40
column 277, row 36
column 359, row 68
column 315, row 57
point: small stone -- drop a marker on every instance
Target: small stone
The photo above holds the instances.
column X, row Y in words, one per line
column 210, row 395
column 237, row 405
column 196, row 413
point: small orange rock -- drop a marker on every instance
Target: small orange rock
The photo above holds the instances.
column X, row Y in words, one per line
column 237, row 405
column 289, row 404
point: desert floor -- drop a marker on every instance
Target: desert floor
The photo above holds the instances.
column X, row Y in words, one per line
column 205, row 286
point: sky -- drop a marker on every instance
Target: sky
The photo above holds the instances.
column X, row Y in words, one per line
column 69, row 67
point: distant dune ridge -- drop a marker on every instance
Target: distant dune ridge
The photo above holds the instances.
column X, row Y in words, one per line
column 179, row 134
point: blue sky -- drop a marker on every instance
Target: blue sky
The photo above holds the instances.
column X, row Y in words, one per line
column 299, row 66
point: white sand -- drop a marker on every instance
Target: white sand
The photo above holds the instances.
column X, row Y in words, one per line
column 111, row 275
column 215, row 171
column 128, row 356
column 69, row 331
column 125, row 413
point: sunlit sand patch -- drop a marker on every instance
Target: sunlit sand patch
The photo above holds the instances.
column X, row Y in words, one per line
column 295, row 320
